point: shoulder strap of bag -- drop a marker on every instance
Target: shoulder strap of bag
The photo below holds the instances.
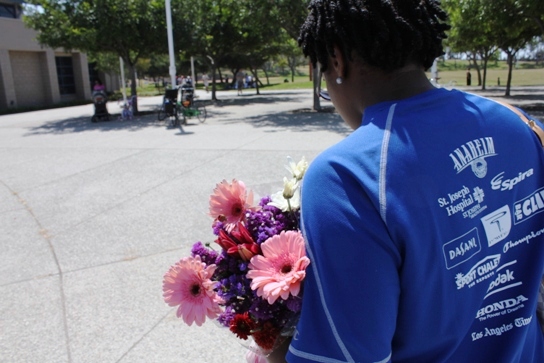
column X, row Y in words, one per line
column 531, row 123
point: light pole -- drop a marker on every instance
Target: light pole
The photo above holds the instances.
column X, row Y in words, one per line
column 122, row 66
column 170, row 43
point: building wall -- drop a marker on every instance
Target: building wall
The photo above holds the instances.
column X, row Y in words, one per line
column 28, row 74
column 16, row 36
column 29, row 82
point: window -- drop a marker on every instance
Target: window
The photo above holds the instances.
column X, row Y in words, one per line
column 65, row 74
column 9, row 11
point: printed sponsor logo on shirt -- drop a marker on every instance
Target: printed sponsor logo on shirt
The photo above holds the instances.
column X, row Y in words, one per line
column 529, row 206
column 504, row 279
column 473, row 153
column 497, row 225
column 465, row 201
column 497, row 183
column 502, row 307
column 522, row 241
column 500, row 330
column 461, row 249
column 489, row 332
column 482, row 271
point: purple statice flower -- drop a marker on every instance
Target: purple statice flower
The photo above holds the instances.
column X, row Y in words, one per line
column 226, row 316
column 207, row 255
column 294, row 303
column 270, row 221
column 236, row 292
column 242, row 266
column 264, row 201
column 227, row 265
column 284, row 317
column 217, row 226
column 262, row 310
column 233, row 287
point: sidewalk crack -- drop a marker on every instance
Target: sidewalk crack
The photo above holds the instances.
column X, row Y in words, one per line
column 44, row 233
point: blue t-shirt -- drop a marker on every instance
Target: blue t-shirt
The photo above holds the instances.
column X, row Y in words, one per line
column 425, row 228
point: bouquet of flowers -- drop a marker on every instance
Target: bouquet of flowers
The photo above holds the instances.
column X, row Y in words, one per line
column 252, row 283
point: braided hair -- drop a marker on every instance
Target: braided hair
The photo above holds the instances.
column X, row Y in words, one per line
column 383, row 33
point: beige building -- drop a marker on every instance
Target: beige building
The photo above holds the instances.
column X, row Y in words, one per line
column 33, row 75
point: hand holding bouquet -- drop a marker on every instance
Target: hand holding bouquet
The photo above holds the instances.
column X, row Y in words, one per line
column 252, row 284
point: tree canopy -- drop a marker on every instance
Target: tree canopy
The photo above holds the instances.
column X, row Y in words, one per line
column 481, row 27
column 131, row 29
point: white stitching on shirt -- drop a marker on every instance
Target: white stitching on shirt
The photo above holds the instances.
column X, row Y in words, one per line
column 315, row 358
column 339, row 341
column 383, row 162
column 385, row 360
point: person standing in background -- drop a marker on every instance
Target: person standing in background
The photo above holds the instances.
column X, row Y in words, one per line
column 240, row 82
column 206, row 81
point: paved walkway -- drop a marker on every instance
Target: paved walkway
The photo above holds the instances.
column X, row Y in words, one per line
column 93, row 215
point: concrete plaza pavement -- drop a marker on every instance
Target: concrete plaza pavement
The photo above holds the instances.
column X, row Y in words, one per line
column 93, row 215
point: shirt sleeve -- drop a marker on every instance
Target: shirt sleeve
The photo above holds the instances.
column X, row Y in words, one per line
column 351, row 291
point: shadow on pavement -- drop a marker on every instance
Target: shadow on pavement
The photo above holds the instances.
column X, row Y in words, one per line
column 83, row 124
column 251, row 99
column 304, row 120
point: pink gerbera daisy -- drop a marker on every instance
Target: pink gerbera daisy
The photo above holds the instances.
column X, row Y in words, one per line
column 188, row 285
column 229, row 202
column 281, row 268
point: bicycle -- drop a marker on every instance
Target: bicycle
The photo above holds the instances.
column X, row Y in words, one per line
column 191, row 108
column 169, row 108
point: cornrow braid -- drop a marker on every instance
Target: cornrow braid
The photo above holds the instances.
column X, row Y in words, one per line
column 384, row 33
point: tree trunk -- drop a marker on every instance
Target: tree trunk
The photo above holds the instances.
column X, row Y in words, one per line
column 510, row 61
column 317, row 87
column 477, row 67
column 485, row 73
column 266, row 75
column 220, row 75
column 214, row 97
column 254, row 72
column 133, row 92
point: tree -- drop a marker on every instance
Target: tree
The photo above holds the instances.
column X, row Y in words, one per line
column 130, row 29
column 206, row 30
column 471, row 33
column 513, row 29
column 233, row 33
column 534, row 11
column 262, row 38
column 293, row 54
column 292, row 16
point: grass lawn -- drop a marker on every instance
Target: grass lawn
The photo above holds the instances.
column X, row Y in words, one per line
column 451, row 72
column 520, row 77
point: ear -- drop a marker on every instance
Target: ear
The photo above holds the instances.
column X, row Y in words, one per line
column 338, row 62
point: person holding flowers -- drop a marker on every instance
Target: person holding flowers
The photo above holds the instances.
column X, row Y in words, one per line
column 424, row 227
column 251, row 281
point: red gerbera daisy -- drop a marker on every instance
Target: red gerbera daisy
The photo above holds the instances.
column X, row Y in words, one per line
column 266, row 336
column 242, row 325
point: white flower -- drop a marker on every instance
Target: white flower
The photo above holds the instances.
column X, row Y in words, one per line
column 289, row 187
column 297, row 170
column 279, row 201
